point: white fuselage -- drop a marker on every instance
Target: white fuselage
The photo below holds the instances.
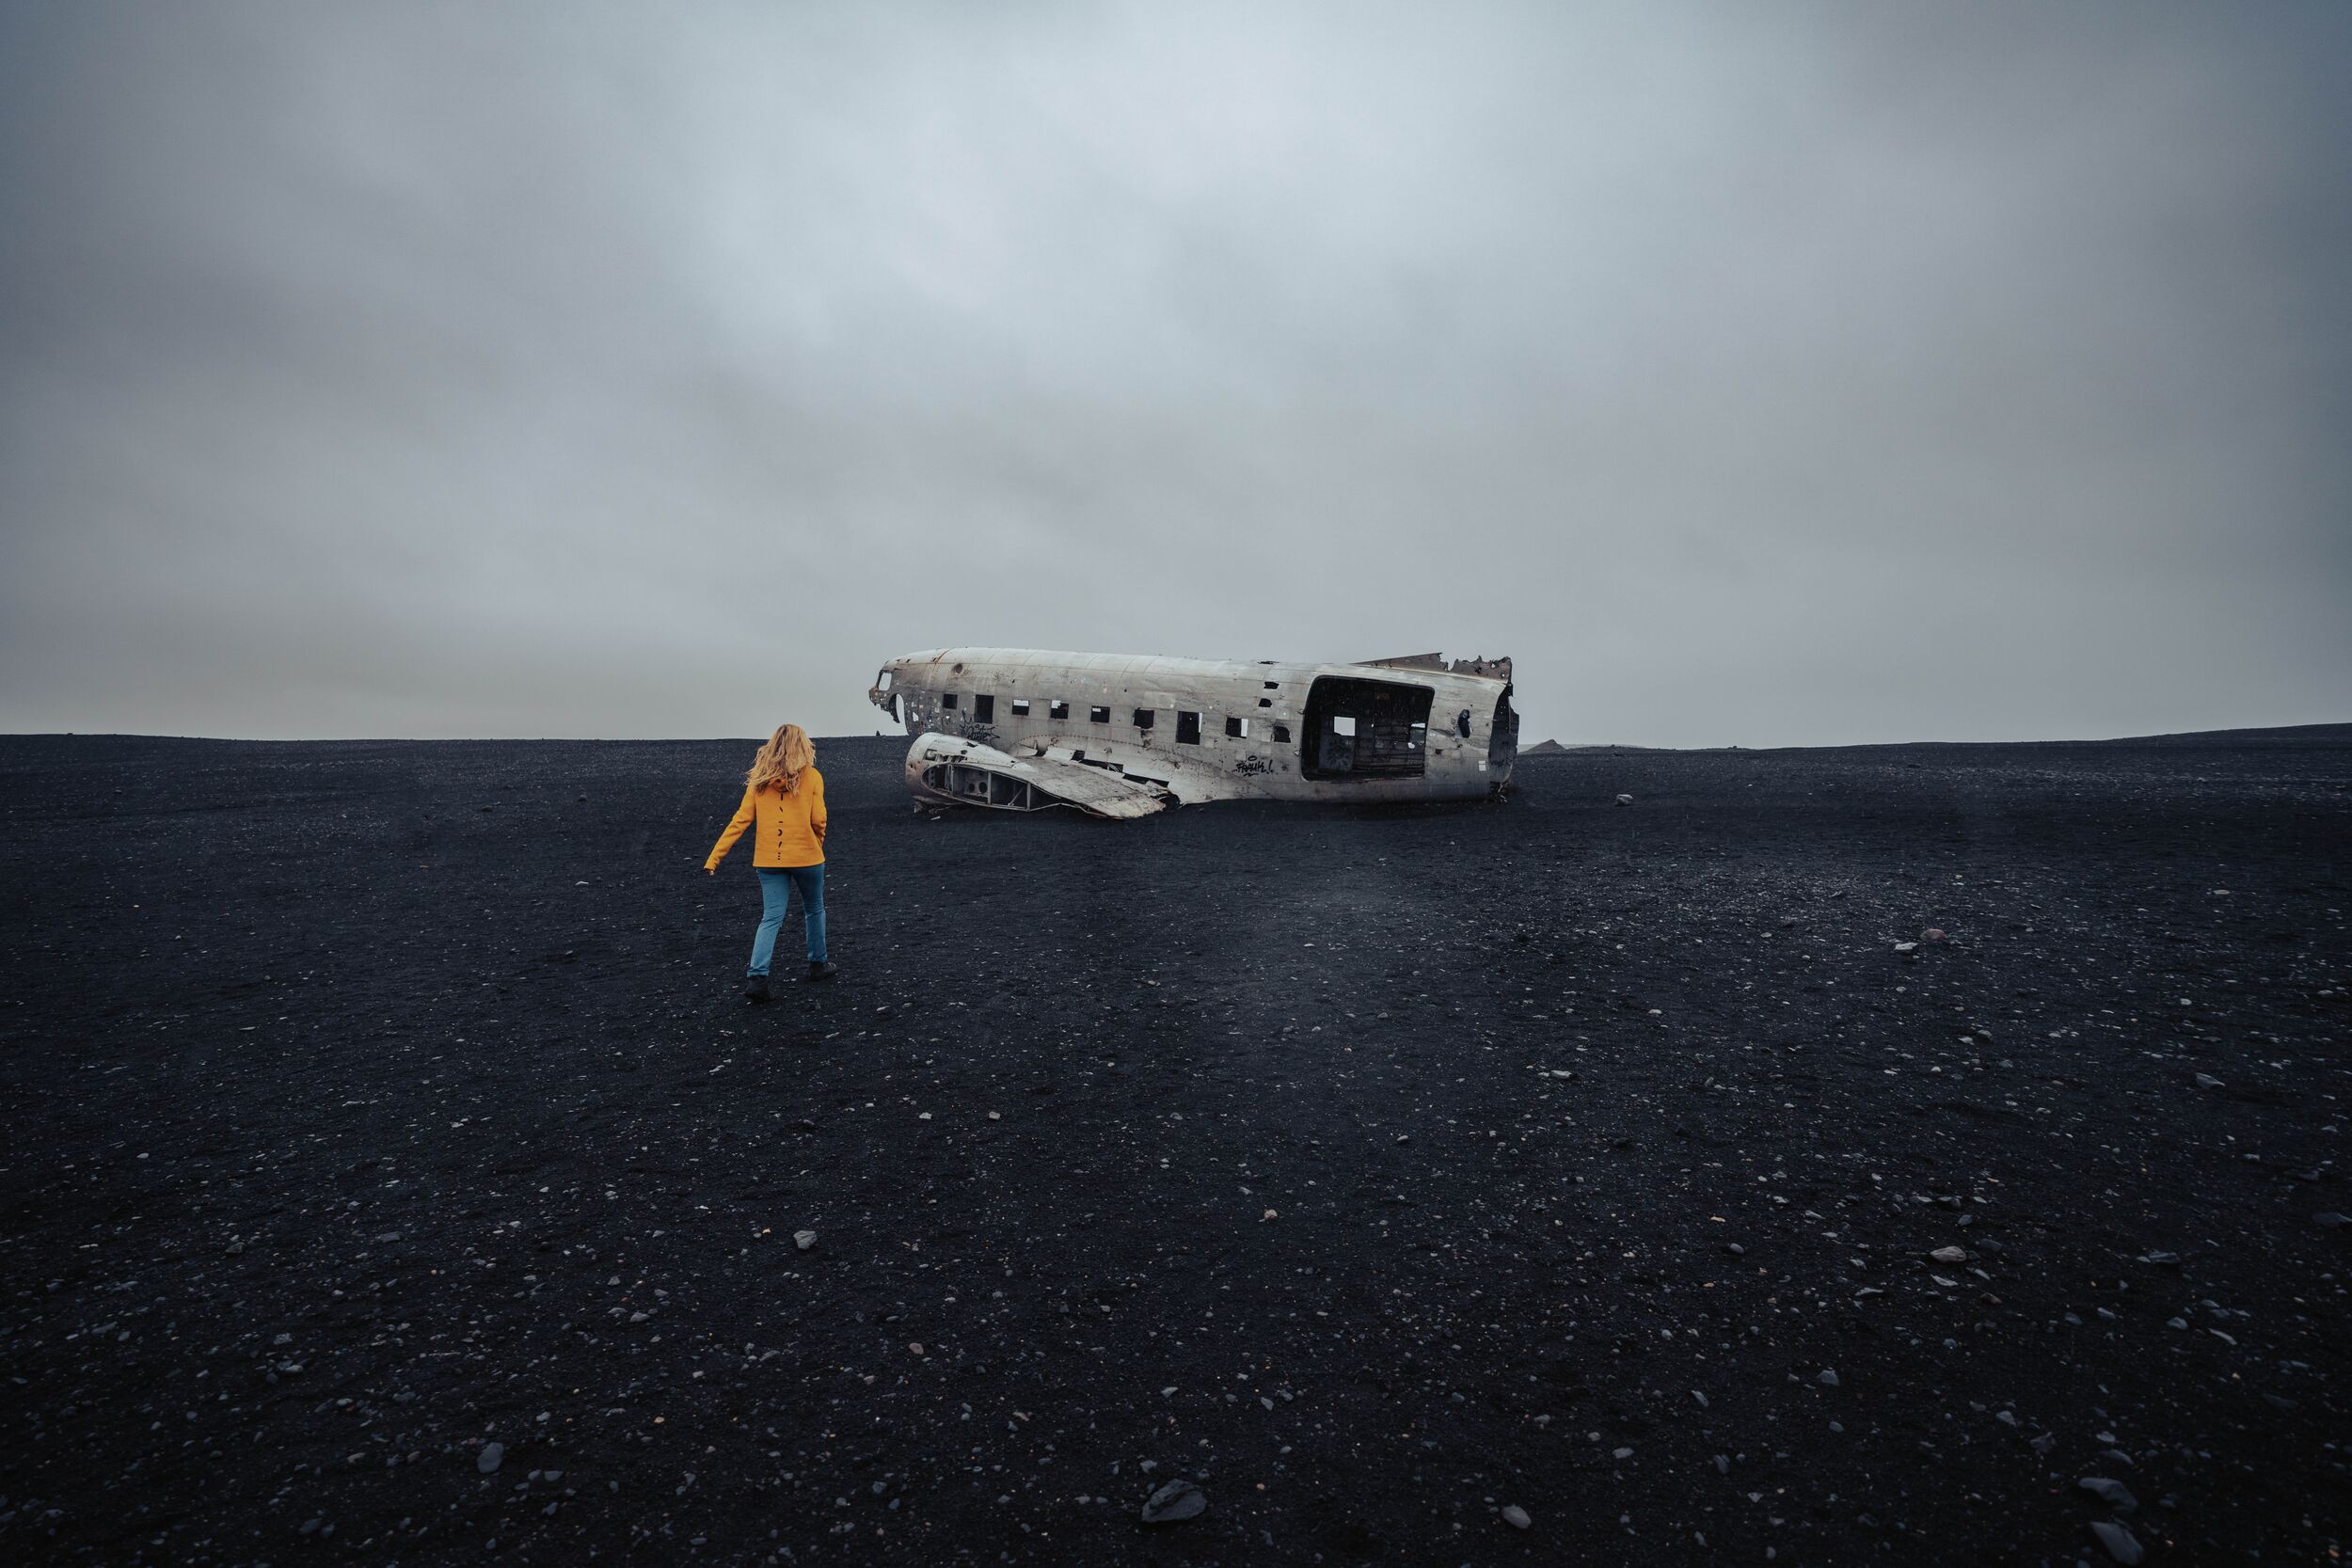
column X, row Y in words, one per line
column 1195, row 730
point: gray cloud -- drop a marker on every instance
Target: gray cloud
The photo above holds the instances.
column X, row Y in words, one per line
column 1752, row 374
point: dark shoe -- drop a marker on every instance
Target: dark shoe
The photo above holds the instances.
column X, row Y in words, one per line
column 818, row 971
column 754, row 988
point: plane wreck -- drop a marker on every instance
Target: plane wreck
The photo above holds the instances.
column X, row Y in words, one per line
column 1016, row 729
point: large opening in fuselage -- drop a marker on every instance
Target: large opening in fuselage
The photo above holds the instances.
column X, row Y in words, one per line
column 1360, row 729
column 1502, row 739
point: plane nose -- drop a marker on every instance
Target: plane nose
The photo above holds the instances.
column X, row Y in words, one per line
column 882, row 693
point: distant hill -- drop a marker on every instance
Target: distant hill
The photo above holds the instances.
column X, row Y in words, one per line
column 1555, row 749
column 2287, row 734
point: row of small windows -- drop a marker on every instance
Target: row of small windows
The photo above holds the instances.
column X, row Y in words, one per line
column 984, row 708
column 1187, row 723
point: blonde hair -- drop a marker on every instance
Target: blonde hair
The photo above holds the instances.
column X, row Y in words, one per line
column 779, row 761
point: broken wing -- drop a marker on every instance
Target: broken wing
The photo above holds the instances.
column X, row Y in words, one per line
column 953, row 771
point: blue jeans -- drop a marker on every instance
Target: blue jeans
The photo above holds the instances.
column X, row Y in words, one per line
column 775, row 896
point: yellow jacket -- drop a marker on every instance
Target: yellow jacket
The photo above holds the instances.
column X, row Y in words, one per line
column 791, row 827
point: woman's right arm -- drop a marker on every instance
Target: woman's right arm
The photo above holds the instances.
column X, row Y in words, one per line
column 744, row 814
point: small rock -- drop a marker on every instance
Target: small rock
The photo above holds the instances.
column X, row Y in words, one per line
column 804, row 1239
column 2119, row 1542
column 1516, row 1516
column 2113, row 1493
column 1950, row 1255
column 1932, row 933
column 492, row 1456
column 1906, row 947
column 1828, row 1379
column 1178, row 1500
column 2206, row 1081
column 2332, row 1221
column 2171, row 1259
column 1625, row 799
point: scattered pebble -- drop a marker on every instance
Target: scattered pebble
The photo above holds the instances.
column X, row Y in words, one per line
column 2119, row 1542
column 1176, row 1501
column 2112, row 1493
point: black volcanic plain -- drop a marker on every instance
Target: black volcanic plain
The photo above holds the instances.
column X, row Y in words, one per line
column 1378, row 1171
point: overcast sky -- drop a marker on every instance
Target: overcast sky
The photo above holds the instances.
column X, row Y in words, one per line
column 1752, row 374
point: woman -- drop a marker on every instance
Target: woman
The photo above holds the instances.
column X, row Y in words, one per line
column 785, row 795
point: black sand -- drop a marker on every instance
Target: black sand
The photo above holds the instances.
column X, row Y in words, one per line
column 371, row 1102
